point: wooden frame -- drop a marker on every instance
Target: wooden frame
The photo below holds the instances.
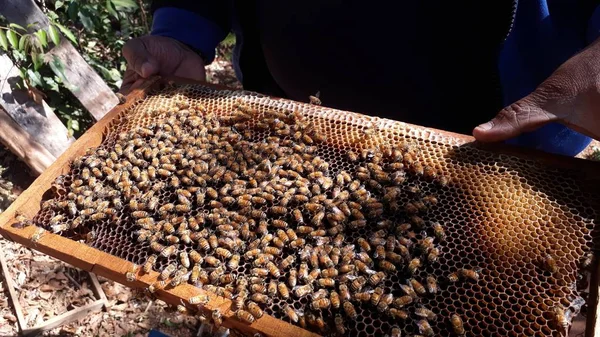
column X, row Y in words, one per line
column 111, row 267
column 53, row 322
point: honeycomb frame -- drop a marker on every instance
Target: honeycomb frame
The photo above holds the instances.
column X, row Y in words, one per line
column 114, row 268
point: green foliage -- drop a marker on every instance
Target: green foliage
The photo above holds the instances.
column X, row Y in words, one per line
column 595, row 155
column 102, row 27
column 97, row 28
column 43, row 77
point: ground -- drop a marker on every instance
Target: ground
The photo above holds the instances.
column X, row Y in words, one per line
column 47, row 287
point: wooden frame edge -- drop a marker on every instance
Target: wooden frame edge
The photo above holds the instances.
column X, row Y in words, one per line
column 106, row 265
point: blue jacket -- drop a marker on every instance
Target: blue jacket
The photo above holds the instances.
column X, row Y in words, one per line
column 448, row 83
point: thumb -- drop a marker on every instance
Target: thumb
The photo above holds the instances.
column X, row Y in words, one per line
column 139, row 58
column 522, row 116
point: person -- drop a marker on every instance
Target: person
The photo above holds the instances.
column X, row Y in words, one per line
column 523, row 72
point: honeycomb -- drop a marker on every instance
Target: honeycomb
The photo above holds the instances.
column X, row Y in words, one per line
column 512, row 236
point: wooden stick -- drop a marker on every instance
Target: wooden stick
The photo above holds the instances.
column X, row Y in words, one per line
column 12, row 294
column 66, row 317
column 89, row 88
column 22, row 145
column 97, row 289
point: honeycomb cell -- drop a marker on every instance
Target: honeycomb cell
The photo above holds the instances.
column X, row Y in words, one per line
column 499, row 213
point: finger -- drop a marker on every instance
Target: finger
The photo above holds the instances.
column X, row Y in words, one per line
column 128, row 79
column 522, row 116
column 191, row 70
column 139, row 58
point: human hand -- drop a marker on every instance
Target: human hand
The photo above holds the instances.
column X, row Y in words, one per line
column 571, row 96
column 158, row 55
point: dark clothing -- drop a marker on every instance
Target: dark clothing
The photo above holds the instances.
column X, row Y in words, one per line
column 439, row 64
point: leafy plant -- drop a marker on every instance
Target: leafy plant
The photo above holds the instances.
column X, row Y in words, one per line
column 102, row 28
column 42, row 75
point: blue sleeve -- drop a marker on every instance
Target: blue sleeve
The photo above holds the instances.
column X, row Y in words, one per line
column 190, row 28
column 593, row 31
column 543, row 37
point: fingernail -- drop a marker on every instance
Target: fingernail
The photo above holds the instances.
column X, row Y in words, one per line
column 485, row 126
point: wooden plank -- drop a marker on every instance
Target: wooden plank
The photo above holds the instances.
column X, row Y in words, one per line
column 66, row 317
column 89, row 88
column 22, row 144
column 37, row 119
column 12, row 293
column 592, row 328
column 97, row 289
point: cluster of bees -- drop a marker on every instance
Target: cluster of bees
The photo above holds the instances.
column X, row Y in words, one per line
column 246, row 208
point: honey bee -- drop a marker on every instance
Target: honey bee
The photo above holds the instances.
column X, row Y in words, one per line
column 320, row 304
column 196, row 274
column 272, row 250
column 425, row 313
column 364, row 296
column 167, row 272
column 168, row 251
column 457, row 325
column 402, row 301
column 259, row 298
column 273, row 269
column 396, row 332
column 399, row 314
column 283, row 290
column 254, row 309
column 417, row 286
column 291, row 313
column 260, row 272
column 234, row 262
column 453, row 277
column 438, row 230
column 424, row 327
column 413, row 265
column 287, row 262
column 387, row 266
column 349, row 309
column 358, row 283
column 408, row 290
column 170, row 238
column 226, row 278
column 258, row 288
column 214, row 242
column 384, row 302
column 433, row 255
column 432, row 286
column 202, row 299
column 217, row 319
column 548, row 263
column 470, row 274
column 223, row 253
column 212, row 261
column 442, row 180
column 587, row 260
column 181, row 275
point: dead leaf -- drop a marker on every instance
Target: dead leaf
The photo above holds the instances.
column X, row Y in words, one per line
column 47, row 287
column 144, row 325
column 56, row 284
column 119, row 307
column 45, row 295
column 21, row 278
column 124, row 296
column 10, row 317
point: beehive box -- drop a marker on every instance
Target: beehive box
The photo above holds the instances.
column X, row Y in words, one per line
column 503, row 210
